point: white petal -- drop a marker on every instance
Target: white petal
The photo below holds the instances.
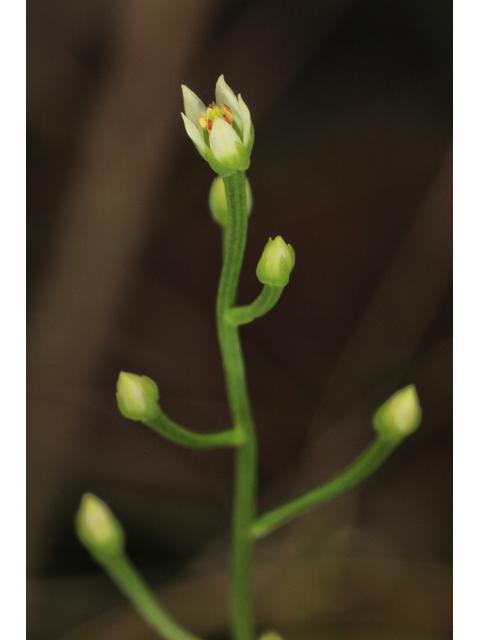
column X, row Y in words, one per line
column 246, row 120
column 193, row 106
column 222, row 143
column 192, row 131
column 224, row 94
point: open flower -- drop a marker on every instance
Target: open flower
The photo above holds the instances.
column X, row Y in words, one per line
column 221, row 132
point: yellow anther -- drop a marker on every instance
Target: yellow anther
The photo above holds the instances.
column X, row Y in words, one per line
column 213, row 112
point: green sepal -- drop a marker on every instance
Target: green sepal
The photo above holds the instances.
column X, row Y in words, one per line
column 218, row 167
column 252, row 138
column 222, row 169
column 244, row 157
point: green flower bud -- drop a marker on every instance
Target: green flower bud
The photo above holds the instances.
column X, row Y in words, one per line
column 276, row 263
column 400, row 415
column 217, row 201
column 270, row 635
column 97, row 527
column 137, row 396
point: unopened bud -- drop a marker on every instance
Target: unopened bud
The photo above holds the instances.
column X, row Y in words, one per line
column 137, row 396
column 400, row 415
column 217, row 201
column 97, row 527
column 270, row 635
column 276, row 263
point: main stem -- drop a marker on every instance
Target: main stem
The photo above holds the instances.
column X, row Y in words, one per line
column 235, row 235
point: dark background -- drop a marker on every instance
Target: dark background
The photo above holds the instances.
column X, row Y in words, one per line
column 351, row 103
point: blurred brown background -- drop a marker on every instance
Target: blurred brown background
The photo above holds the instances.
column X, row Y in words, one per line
column 351, row 103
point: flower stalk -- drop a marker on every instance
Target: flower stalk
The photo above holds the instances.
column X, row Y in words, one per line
column 222, row 133
column 372, row 458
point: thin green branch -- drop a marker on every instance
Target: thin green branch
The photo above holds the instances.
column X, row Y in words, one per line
column 372, row 458
column 172, row 431
column 133, row 586
column 267, row 299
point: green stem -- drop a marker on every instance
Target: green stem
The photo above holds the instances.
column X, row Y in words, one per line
column 235, row 234
column 172, row 431
column 267, row 299
column 372, row 458
column 132, row 585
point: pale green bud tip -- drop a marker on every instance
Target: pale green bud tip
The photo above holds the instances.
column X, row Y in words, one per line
column 217, row 201
column 270, row 635
column 400, row 415
column 97, row 527
column 137, row 396
column 276, row 263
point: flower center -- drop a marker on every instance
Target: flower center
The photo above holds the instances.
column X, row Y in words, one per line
column 224, row 112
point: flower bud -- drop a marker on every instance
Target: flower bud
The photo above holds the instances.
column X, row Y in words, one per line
column 217, row 201
column 400, row 415
column 270, row 635
column 137, row 396
column 97, row 527
column 276, row 263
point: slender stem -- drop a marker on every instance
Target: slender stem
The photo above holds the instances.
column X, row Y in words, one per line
column 372, row 458
column 172, row 431
column 267, row 299
column 235, row 234
column 132, row 585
